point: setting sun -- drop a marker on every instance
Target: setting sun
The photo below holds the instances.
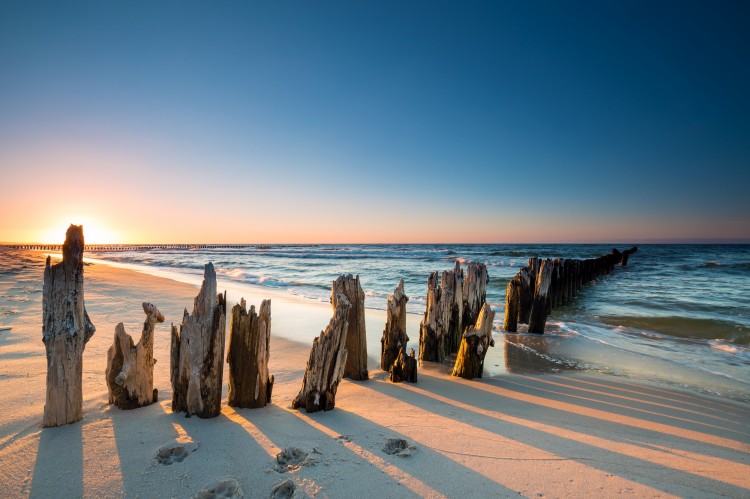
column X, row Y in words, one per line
column 94, row 231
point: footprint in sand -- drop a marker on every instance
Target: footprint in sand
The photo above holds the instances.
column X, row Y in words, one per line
column 292, row 459
column 175, row 453
column 286, row 490
column 223, row 488
column 398, row 447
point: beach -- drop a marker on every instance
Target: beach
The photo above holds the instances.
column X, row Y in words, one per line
column 557, row 434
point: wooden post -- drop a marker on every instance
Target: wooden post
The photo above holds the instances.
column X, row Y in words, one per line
column 510, row 323
column 525, row 295
column 130, row 368
column 197, row 353
column 325, row 367
column 475, row 342
column 394, row 338
column 404, row 368
column 474, row 294
column 250, row 384
column 356, row 336
column 451, row 307
column 538, row 318
column 431, row 327
column 439, row 331
column 66, row 329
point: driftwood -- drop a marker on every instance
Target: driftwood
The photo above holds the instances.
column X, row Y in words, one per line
column 510, row 322
column 404, row 368
column 475, row 342
column 66, row 329
column 474, row 293
column 356, row 336
column 394, row 336
column 197, row 353
column 325, row 367
column 439, row 331
column 249, row 340
column 130, row 367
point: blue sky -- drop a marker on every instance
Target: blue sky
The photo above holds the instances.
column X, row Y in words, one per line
column 377, row 122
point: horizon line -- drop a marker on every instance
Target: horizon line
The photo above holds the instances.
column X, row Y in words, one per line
column 675, row 241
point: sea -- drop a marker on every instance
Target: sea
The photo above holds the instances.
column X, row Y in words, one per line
column 676, row 315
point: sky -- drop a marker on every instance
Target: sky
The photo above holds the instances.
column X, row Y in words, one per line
column 387, row 121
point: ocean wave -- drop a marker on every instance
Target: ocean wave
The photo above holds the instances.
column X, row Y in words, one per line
column 685, row 327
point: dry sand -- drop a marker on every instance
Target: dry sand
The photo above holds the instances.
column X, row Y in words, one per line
column 531, row 435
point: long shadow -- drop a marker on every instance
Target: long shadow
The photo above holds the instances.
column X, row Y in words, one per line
column 130, row 435
column 608, row 423
column 350, row 440
column 648, row 473
column 554, row 389
column 58, row 470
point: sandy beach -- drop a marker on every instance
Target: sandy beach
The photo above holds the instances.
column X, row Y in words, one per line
column 551, row 435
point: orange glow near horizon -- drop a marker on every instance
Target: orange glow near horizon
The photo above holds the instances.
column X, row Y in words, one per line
column 94, row 232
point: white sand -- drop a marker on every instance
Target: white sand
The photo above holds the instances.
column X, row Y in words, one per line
column 550, row 435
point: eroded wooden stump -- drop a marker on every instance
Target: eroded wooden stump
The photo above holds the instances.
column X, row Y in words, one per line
column 197, row 353
column 394, row 338
column 476, row 340
column 66, row 329
column 404, row 368
column 325, row 367
column 250, row 384
column 356, row 337
column 539, row 308
column 440, row 329
column 510, row 322
column 130, row 367
column 474, row 294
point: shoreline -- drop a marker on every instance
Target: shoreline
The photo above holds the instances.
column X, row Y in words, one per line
column 554, row 434
column 554, row 352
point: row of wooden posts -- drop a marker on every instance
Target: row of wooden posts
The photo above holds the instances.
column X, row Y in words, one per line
column 457, row 321
column 546, row 284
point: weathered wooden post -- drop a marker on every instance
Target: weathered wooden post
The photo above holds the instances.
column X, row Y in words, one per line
column 525, row 295
column 197, row 353
column 451, row 305
column 250, row 384
column 510, row 322
column 440, row 329
column 394, row 338
column 431, row 327
column 325, row 367
column 130, row 368
column 474, row 294
column 404, row 368
column 538, row 318
column 475, row 342
column 66, row 329
column 356, row 337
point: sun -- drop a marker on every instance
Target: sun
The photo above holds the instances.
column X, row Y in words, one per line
column 94, row 231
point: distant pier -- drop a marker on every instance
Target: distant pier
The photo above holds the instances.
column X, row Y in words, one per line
column 99, row 248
